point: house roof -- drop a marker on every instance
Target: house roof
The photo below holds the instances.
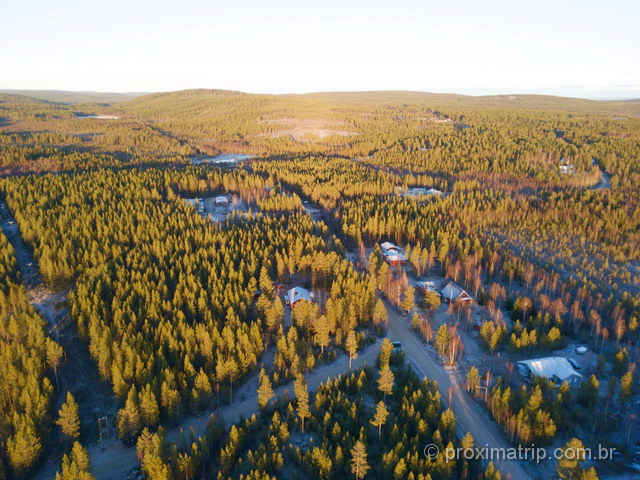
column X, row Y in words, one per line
column 299, row 293
column 551, row 367
column 386, row 246
column 415, row 191
column 221, row 198
column 454, row 292
column 392, row 256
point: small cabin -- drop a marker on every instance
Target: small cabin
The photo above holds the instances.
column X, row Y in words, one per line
column 390, row 247
column 297, row 294
column 454, row 293
column 392, row 254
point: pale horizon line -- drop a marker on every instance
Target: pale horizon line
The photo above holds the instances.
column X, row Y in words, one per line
column 460, row 92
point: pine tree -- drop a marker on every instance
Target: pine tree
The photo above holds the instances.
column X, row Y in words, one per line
column 432, row 299
column 416, row 261
column 265, row 391
column 589, row 391
column 128, row 420
column 408, row 299
column 186, row 466
column 54, row 356
column 374, row 262
column 302, row 397
column 626, row 385
column 621, row 362
column 443, row 337
column 569, row 466
column 491, row 473
column 359, row 465
column 473, row 380
column 386, row 349
column 467, row 441
column 322, row 337
column 24, row 447
column 170, row 400
column 68, row 418
column 76, row 465
column 447, row 422
column 380, row 417
column 385, row 380
column 149, row 411
column 383, row 277
column 275, row 314
column 352, row 346
column 400, row 470
column 589, row 474
column 380, row 316
column 266, row 285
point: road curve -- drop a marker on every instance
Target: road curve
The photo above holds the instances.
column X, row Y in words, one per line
column 114, row 460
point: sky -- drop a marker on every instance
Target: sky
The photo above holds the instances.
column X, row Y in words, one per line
column 577, row 48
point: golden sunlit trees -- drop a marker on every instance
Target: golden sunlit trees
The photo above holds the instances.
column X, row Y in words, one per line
column 359, row 464
column 26, row 372
column 76, row 465
column 380, row 417
column 265, row 391
column 302, row 399
column 68, row 418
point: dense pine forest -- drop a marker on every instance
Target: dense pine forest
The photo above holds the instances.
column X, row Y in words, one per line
column 28, row 360
column 172, row 273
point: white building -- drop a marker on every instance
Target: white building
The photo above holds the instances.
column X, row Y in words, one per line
column 390, row 247
column 297, row 294
column 557, row 369
column 566, row 167
column 221, row 200
column 394, row 258
column 418, row 191
column 392, row 254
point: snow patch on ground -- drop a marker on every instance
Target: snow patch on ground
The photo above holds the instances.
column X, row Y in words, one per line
column 222, row 159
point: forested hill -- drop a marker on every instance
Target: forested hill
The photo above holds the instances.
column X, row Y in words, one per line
column 397, row 98
column 389, row 97
column 71, row 97
column 526, row 136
